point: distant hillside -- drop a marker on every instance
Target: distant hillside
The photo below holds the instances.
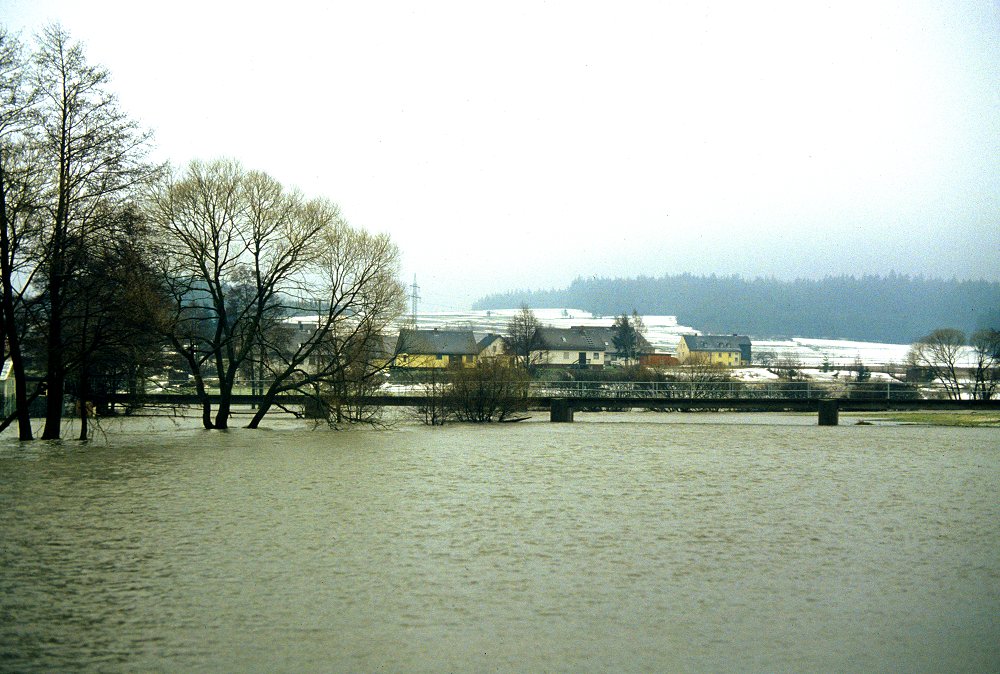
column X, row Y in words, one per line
column 894, row 309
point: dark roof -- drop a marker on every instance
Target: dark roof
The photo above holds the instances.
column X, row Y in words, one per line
column 487, row 340
column 446, row 342
column 716, row 342
column 580, row 338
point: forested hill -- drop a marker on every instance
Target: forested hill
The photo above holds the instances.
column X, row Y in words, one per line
column 894, row 309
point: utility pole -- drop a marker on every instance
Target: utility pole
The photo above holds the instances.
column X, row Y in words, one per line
column 414, row 299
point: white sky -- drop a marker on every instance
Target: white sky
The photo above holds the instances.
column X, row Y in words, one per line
column 523, row 144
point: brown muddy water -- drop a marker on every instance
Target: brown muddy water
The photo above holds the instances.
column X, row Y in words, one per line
column 617, row 543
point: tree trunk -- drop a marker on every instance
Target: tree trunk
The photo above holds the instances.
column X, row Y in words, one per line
column 83, row 394
column 265, row 403
column 225, row 401
column 21, row 403
column 24, row 431
column 56, row 382
column 55, row 372
column 206, row 403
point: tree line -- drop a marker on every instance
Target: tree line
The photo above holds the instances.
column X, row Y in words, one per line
column 894, row 308
column 113, row 267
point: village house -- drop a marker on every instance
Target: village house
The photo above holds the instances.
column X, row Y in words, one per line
column 436, row 348
column 298, row 331
column 728, row 350
column 579, row 346
column 492, row 346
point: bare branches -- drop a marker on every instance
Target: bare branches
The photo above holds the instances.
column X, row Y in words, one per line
column 939, row 353
column 251, row 253
column 986, row 345
column 519, row 338
column 356, row 293
column 68, row 157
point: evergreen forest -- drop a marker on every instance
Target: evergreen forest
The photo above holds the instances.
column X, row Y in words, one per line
column 893, row 309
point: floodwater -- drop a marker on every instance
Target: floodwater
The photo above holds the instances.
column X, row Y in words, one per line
column 647, row 545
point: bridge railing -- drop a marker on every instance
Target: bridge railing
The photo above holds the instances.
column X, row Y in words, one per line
column 723, row 389
column 669, row 389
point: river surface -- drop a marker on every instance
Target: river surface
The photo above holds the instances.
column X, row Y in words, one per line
column 616, row 543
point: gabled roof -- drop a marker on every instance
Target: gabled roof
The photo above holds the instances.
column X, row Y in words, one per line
column 580, row 338
column 487, row 340
column 716, row 342
column 445, row 342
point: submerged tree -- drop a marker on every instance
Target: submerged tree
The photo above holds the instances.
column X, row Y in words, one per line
column 491, row 391
column 66, row 152
column 20, row 201
column 233, row 245
column 90, row 154
column 355, row 286
column 239, row 254
column 109, row 310
column 938, row 354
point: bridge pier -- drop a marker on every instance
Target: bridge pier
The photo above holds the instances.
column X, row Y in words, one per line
column 829, row 412
column 561, row 411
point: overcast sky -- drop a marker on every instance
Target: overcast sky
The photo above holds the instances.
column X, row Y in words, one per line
column 523, row 144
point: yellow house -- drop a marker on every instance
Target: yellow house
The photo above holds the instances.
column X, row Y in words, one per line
column 493, row 347
column 436, row 349
column 728, row 350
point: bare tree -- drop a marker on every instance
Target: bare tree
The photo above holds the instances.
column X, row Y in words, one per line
column 235, row 247
column 354, row 283
column 89, row 153
column 986, row 345
column 520, row 335
column 787, row 367
column 20, row 199
column 938, row 354
column 491, row 391
column 107, row 336
column 700, row 378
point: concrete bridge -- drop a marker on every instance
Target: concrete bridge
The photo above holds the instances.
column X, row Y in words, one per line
column 562, row 407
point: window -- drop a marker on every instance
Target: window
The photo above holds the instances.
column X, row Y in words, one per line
column 440, row 356
column 597, row 356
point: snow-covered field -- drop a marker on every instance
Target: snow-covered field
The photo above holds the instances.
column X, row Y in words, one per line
column 663, row 332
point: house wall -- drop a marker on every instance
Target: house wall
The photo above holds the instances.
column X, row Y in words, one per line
column 431, row 361
column 682, row 351
column 494, row 350
column 567, row 358
column 727, row 358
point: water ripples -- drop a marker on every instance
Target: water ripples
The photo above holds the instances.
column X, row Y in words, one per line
column 639, row 546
